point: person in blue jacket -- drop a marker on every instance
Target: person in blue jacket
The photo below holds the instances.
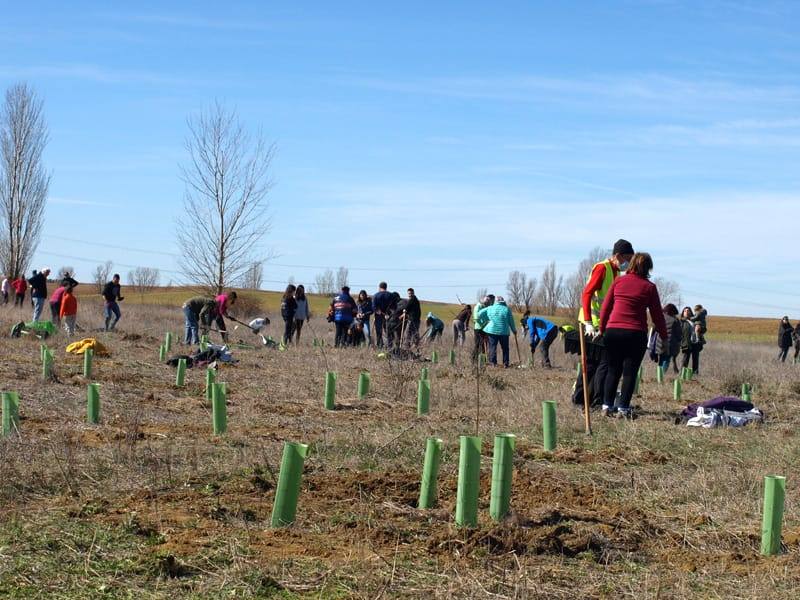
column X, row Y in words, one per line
column 542, row 332
column 435, row 327
column 344, row 311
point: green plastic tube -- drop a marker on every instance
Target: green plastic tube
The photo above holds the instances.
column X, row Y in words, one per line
column 423, row 397
column 745, row 389
column 452, row 357
column 203, row 342
column 774, row 492
column 210, row 379
column 434, row 356
column 42, row 350
column 93, row 403
column 219, row 408
column 660, row 374
column 363, row 384
column 747, row 397
column 502, row 468
column 549, row 429
column 168, row 342
column 10, row 412
column 676, row 390
column 88, row 358
column 481, row 360
column 430, row 473
column 47, row 364
column 284, row 510
column 423, row 374
column 180, row 376
column 689, row 373
column 330, row 390
column 162, row 353
column 314, row 342
column 469, row 474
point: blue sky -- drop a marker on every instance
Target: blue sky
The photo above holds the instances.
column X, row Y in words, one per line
column 438, row 145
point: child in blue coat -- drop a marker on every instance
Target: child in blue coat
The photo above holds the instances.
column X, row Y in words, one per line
column 542, row 331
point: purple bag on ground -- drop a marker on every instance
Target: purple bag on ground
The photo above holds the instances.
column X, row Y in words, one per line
column 719, row 403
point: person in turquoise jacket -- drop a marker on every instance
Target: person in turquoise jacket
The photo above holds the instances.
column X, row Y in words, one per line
column 501, row 322
column 542, row 331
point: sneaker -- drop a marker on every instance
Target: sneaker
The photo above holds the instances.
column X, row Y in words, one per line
column 606, row 410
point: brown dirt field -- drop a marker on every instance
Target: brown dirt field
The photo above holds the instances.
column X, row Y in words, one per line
column 150, row 502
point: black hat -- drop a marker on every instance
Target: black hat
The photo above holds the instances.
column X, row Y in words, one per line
column 622, row 247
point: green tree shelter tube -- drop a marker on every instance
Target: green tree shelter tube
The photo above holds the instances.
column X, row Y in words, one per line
column 549, row 428
column 88, row 358
column 677, row 389
column 10, row 412
column 330, row 390
column 219, row 408
column 168, row 342
column 469, row 474
column 363, row 384
column 180, row 376
column 660, row 374
column 423, row 397
column 47, row 364
column 423, row 374
column 430, row 473
column 502, row 469
column 162, row 353
column 210, row 379
column 434, row 356
column 284, row 510
column 774, row 492
column 452, row 357
column 203, row 342
column 93, row 403
column 745, row 389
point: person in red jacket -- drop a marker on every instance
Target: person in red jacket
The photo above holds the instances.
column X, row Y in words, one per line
column 20, row 287
column 68, row 312
column 623, row 323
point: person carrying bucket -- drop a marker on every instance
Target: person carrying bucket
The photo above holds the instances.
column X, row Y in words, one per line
column 600, row 280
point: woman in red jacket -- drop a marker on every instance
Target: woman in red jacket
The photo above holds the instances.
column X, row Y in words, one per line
column 623, row 323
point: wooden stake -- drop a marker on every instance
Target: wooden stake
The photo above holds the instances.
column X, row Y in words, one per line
column 587, row 419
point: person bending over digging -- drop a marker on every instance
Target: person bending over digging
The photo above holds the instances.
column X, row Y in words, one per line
column 594, row 293
column 112, row 294
column 435, row 328
column 460, row 325
column 224, row 302
column 542, row 333
column 199, row 312
column 623, row 323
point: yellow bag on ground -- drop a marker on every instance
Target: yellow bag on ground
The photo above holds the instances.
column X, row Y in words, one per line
column 80, row 347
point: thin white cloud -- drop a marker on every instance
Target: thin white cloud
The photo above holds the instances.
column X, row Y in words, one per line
column 78, row 202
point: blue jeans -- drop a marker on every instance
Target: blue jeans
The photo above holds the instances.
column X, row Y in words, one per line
column 38, row 306
column 191, row 324
column 111, row 308
column 493, row 341
column 367, row 335
column 379, row 321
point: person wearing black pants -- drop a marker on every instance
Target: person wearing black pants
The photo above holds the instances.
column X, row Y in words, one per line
column 691, row 341
column 623, row 324
column 288, row 309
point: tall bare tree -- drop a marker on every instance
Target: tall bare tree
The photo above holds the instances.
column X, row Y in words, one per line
column 24, row 183
column 481, row 293
column 225, row 203
column 521, row 290
column 102, row 274
column 669, row 291
column 253, row 277
column 143, row 279
column 342, row 275
column 550, row 289
column 324, row 283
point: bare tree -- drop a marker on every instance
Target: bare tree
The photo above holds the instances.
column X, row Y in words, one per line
column 324, row 283
column 342, row 275
column 253, row 277
column 225, row 201
column 574, row 284
column 482, row 293
column 521, row 290
column 24, row 184
column 669, row 291
column 102, row 274
column 143, row 279
column 550, row 289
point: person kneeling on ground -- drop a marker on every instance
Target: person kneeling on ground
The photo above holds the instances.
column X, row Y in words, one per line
column 501, row 321
column 198, row 313
column 542, row 332
column 623, row 323
column 68, row 311
column 435, row 327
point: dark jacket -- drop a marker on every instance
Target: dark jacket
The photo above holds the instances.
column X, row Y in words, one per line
column 785, row 331
column 413, row 309
column 672, row 345
column 381, row 301
column 344, row 308
column 364, row 310
column 38, row 285
column 288, row 308
column 204, row 308
column 112, row 292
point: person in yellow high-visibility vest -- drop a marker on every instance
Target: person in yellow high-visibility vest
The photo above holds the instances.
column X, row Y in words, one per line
column 600, row 279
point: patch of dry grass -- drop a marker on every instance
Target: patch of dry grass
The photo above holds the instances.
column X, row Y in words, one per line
column 150, row 503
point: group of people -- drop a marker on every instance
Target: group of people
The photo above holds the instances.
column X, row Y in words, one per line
column 201, row 312
column 63, row 302
column 788, row 336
